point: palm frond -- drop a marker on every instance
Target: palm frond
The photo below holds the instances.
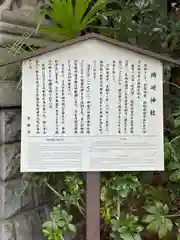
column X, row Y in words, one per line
column 72, row 18
column 80, row 10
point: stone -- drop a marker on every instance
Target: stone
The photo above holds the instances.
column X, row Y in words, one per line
column 28, row 226
column 10, row 94
column 25, row 226
column 7, row 73
column 16, row 25
column 10, row 160
column 13, row 198
column 7, row 231
column 10, row 125
column 19, row 4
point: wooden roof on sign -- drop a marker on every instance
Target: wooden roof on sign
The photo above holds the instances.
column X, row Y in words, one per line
column 56, row 46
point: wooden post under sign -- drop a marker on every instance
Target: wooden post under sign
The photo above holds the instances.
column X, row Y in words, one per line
column 93, row 206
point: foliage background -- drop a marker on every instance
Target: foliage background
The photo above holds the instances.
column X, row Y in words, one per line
column 134, row 206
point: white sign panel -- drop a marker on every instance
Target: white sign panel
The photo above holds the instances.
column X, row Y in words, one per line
column 92, row 106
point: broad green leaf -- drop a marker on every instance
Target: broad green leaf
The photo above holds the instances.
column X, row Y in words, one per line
column 177, row 122
column 137, row 237
column 155, row 194
column 175, row 176
column 72, row 227
column 153, row 227
column 127, row 227
column 175, row 149
column 124, row 185
column 167, row 151
column 61, row 224
column 158, row 209
column 70, row 218
column 176, row 113
column 164, row 228
column 174, row 165
column 115, row 224
column 106, row 213
column 129, row 236
column 175, row 168
column 169, row 224
column 151, row 209
column 178, row 228
column 49, row 225
column 157, row 220
column 149, row 218
column 161, row 225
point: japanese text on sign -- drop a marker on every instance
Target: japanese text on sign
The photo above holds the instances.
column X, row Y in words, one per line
column 92, row 114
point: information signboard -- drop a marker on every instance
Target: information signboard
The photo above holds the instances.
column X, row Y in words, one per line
column 92, row 106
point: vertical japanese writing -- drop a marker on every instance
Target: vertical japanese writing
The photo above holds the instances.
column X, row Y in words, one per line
column 69, row 77
column 101, row 64
column 139, row 79
column 153, row 99
column 153, row 87
column 30, row 63
column 57, row 96
column 50, row 83
column 44, row 111
column 132, row 80
column 82, row 97
column 75, row 98
column 62, row 100
column 145, row 104
column 119, row 96
column 125, row 96
column 37, row 99
column 107, row 98
column 94, row 70
column 132, row 100
column 114, row 70
column 88, row 92
column 29, row 125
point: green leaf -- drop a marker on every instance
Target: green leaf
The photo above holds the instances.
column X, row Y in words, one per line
column 124, row 185
column 157, row 220
column 127, row 227
column 175, row 168
column 176, row 113
column 175, row 149
column 167, row 151
column 115, row 224
column 71, row 19
column 174, row 165
column 49, row 225
column 158, row 209
column 61, row 224
column 151, row 209
column 175, row 176
column 153, row 227
column 169, row 224
column 149, row 218
column 177, row 122
column 164, row 228
column 72, row 227
column 128, row 236
column 160, row 225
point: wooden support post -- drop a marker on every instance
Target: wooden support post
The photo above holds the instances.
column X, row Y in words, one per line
column 93, row 206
